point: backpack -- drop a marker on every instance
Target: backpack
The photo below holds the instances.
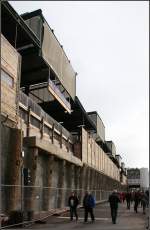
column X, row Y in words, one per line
column 90, row 201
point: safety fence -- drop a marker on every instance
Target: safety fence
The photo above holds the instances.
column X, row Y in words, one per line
column 28, row 203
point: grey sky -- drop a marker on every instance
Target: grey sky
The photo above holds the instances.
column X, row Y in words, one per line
column 108, row 45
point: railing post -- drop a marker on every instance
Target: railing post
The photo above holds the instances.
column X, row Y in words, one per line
column 61, row 138
column 42, row 127
column 28, row 121
column 53, row 127
column 68, row 144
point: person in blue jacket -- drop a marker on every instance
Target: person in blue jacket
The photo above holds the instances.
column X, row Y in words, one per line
column 88, row 204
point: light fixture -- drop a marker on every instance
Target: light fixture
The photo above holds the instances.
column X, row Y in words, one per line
column 80, row 125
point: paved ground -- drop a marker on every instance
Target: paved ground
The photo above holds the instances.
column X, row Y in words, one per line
column 127, row 220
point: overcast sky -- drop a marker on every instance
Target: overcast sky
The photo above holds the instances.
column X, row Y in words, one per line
column 108, row 45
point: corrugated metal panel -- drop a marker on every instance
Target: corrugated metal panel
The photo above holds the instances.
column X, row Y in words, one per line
column 56, row 58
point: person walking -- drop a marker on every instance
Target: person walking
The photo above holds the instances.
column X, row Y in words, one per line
column 136, row 200
column 73, row 202
column 124, row 196
column 128, row 199
column 132, row 196
column 114, row 200
column 144, row 201
column 147, row 193
column 88, row 204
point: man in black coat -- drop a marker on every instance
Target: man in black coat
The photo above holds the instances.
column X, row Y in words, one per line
column 137, row 200
column 128, row 199
column 114, row 200
column 73, row 202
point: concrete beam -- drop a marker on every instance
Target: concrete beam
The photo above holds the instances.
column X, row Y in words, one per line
column 51, row 149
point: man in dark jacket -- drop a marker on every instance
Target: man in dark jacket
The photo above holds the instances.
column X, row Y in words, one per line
column 144, row 201
column 128, row 199
column 137, row 200
column 73, row 202
column 114, row 200
column 88, row 204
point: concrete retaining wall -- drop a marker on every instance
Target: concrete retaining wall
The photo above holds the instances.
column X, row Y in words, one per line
column 52, row 178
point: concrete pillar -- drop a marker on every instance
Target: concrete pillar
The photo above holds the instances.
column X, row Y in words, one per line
column 48, row 183
column 83, row 180
column 88, row 179
column 96, row 186
column 77, row 182
column 94, row 180
column 29, row 192
column 13, row 173
column 70, row 179
column 91, row 179
column 61, row 184
column 72, row 175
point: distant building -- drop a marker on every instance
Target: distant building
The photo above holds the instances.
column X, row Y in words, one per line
column 138, row 178
column 144, row 177
column 133, row 176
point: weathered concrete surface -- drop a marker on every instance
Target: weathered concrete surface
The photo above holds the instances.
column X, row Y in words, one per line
column 127, row 220
column 11, row 168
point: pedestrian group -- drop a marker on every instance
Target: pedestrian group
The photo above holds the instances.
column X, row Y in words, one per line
column 139, row 198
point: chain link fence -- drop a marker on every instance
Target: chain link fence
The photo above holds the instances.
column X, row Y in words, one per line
column 35, row 202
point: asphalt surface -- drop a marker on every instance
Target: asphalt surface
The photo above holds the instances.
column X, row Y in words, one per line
column 127, row 220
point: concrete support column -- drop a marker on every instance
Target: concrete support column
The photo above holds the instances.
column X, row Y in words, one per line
column 13, row 178
column 88, row 179
column 29, row 192
column 77, row 182
column 83, row 180
column 70, row 179
column 72, row 174
column 91, row 179
column 61, row 184
column 94, row 180
column 96, row 186
column 48, row 183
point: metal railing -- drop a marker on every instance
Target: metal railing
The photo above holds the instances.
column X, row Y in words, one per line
column 35, row 108
column 58, row 92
